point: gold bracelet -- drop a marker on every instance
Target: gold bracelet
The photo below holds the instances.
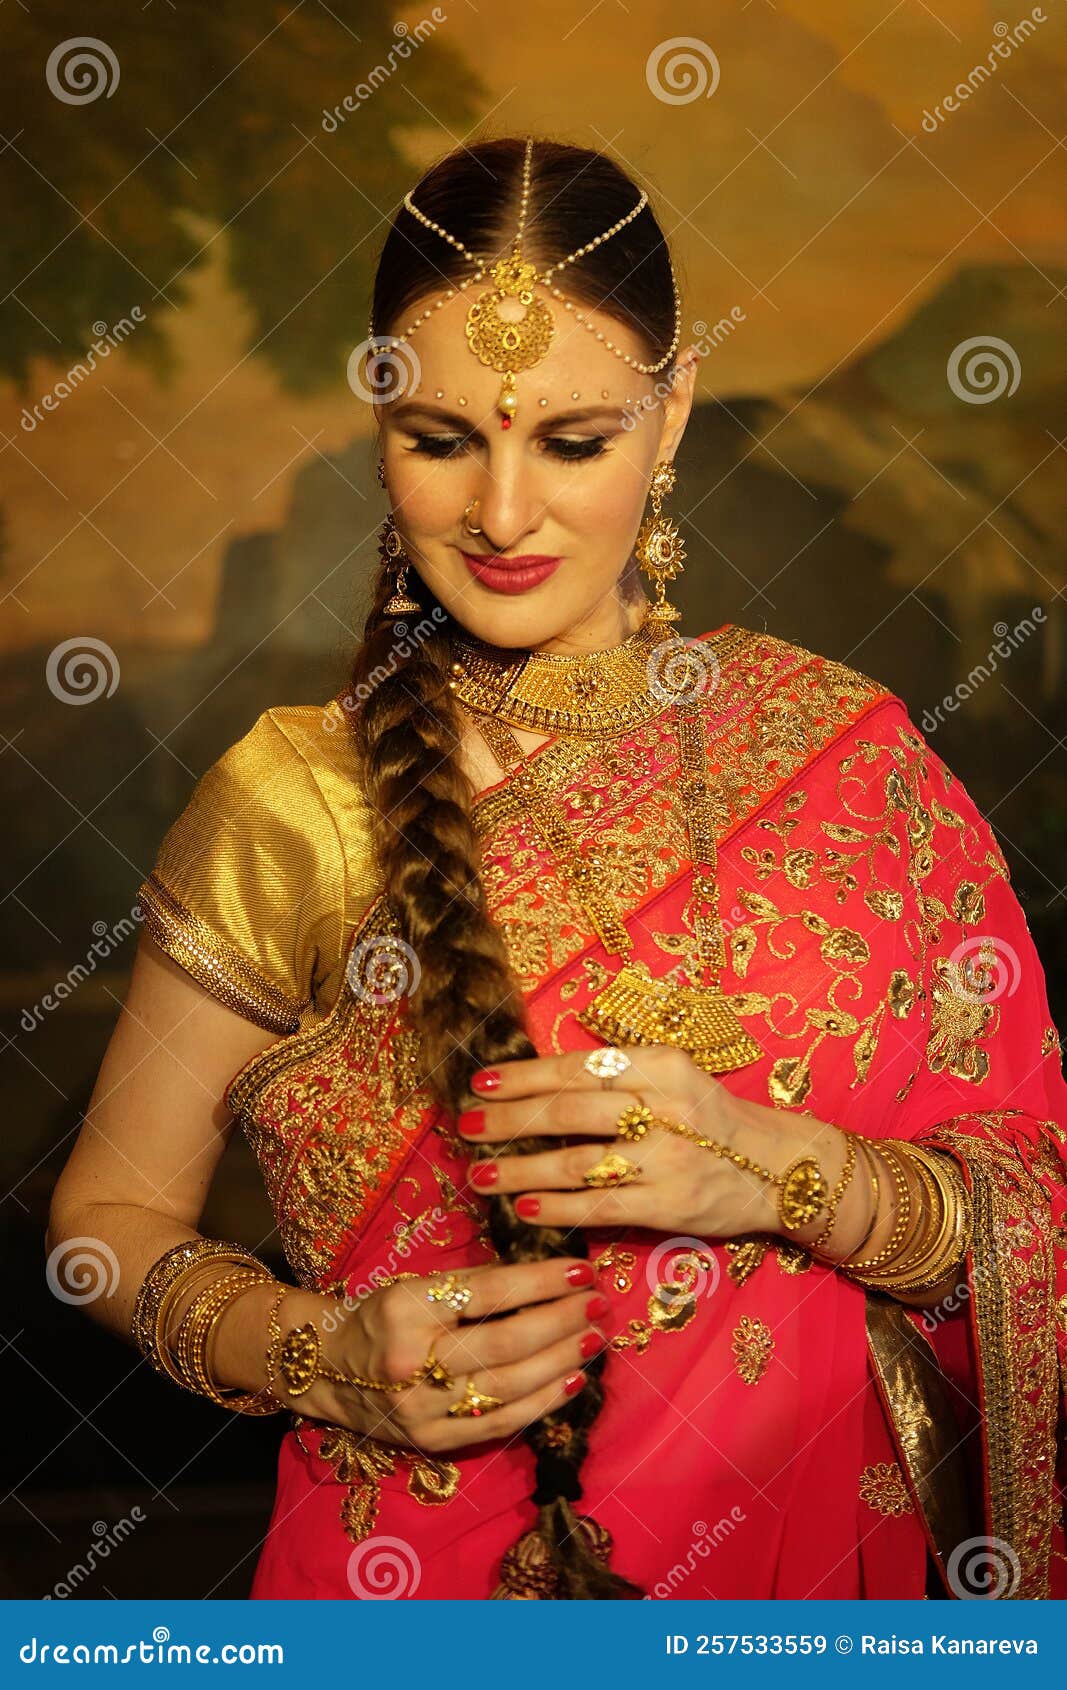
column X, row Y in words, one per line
column 837, row 1193
column 300, row 1361
column 876, row 1193
column 184, row 1283
column 926, row 1219
column 161, row 1277
column 196, row 1329
column 946, row 1252
column 900, row 1229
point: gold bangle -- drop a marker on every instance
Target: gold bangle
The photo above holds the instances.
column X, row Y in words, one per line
column 900, row 1228
column 196, row 1329
column 949, row 1248
column 185, row 1282
column 933, row 1219
column 876, row 1194
column 163, row 1274
column 837, row 1193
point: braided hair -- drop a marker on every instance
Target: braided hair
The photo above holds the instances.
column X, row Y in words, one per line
column 467, row 1008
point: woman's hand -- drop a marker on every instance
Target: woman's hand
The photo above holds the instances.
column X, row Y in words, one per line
column 531, row 1356
column 682, row 1187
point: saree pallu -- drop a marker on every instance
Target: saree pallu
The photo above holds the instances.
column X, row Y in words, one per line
column 769, row 1429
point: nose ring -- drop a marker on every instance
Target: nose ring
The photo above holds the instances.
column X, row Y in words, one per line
column 467, row 517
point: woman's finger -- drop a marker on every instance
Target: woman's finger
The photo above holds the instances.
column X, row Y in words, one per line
column 504, row 1422
column 595, row 1114
column 552, row 1170
column 495, row 1343
column 662, row 1069
column 494, row 1288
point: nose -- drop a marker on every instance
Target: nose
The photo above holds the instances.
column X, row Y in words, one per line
column 508, row 507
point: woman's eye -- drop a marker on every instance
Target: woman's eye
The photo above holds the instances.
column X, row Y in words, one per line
column 568, row 451
column 439, row 445
column 575, row 449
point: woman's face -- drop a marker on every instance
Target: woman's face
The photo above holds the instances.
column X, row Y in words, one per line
column 568, row 481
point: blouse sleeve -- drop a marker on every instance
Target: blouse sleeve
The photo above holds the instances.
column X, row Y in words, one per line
column 247, row 893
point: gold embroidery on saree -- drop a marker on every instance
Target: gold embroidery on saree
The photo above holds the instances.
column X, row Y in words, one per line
column 752, row 1344
column 882, row 1488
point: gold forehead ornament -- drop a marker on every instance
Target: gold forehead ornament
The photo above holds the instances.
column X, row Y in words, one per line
column 512, row 345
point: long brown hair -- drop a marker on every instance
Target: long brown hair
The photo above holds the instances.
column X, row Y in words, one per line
column 467, row 1008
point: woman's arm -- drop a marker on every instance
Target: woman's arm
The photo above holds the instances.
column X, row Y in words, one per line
column 140, row 1171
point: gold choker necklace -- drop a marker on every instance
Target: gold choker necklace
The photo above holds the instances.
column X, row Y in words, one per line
column 584, row 695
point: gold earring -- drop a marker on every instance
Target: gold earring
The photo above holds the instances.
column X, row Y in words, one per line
column 381, row 472
column 393, row 556
column 659, row 548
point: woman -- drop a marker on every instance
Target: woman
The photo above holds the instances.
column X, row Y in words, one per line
column 646, row 1056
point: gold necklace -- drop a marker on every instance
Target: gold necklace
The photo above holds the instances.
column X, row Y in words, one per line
column 585, row 696
column 634, row 1007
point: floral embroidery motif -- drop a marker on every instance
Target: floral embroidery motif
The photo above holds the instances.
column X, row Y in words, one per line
column 360, row 1463
column 752, row 1345
column 746, row 1254
column 882, row 1488
column 672, row 1304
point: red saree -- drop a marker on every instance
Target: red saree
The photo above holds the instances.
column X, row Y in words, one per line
column 770, row 1430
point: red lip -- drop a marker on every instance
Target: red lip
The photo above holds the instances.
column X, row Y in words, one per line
column 510, row 574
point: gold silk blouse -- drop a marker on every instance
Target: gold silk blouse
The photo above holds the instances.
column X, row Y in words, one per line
column 267, row 869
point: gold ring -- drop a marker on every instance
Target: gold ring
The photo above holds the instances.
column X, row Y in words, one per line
column 635, row 1121
column 451, row 1292
column 606, row 1063
column 472, row 1404
column 612, row 1169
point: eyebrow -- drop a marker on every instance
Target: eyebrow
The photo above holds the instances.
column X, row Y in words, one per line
column 415, row 407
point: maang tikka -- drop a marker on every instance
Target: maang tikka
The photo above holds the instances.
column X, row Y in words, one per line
column 509, row 346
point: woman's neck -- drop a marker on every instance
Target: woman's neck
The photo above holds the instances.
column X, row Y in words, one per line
column 608, row 625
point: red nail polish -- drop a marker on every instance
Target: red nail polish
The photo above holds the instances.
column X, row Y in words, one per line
column 528, row 1206
column 471, row 1121
column 573, row 1383
column 596, row 1308
column 484, row 1173
column 592, row 1343
column 486, row 1079
column 580, row 1274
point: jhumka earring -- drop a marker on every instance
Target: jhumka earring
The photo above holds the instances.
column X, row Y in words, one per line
column 659, row 548
column 392, row 553
column 510, row 345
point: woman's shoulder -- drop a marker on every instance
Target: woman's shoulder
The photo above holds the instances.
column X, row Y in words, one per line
column 268, row 865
